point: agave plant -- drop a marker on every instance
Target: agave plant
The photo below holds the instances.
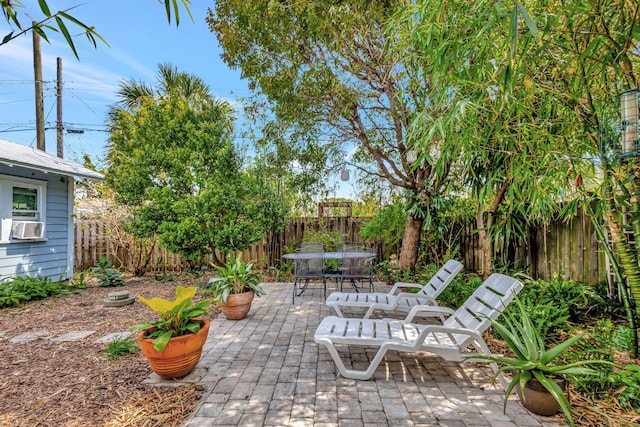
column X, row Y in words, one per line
column 533, row 360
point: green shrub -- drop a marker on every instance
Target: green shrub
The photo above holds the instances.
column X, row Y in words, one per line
column 18, row 290
column 391, row 275
column 107, row 275
column 458, row 291
column 121, row 346
column 328, row 239
column 387, row 223
column 552, row 305
column 628, row 380
column 599, row 344
column 79, row 278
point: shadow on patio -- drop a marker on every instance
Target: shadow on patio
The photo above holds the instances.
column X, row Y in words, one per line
column 267, row 370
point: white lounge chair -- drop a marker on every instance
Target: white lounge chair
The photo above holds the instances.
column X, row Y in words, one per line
column 459, row 336
column 394, row 301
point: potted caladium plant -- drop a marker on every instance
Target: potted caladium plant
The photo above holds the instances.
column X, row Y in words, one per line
column 538, row 378
column 173, row 343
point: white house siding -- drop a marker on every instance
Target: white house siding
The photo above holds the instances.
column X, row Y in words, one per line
column 48, row 258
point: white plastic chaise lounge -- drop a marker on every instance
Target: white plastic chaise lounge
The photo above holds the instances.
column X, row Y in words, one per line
column 459, row 336
column 394, row 301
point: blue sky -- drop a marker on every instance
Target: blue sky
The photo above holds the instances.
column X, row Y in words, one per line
column 140, row 38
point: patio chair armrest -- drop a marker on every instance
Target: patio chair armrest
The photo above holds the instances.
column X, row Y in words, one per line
column 427, row 311
column 399, row 285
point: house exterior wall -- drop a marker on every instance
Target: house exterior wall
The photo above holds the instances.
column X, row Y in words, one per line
column 50, row 256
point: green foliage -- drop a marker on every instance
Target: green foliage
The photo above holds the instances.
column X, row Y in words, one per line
column 49, row 21
column 177, row 317
column 357, row 99
column 604, row 339
column 553, row 304
column 120, row 347
column 18, row 290
column 212, row 203
column 235, row 277
column 328, row 240
column 444, row 221
column 391, row 272
column 628, row 380
column 79, row 277
column 57, row 21
column 458, row 291
column 532, row 358
column 387, row 223
column 107, row 275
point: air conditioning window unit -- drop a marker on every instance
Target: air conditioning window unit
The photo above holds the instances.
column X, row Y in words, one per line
column 27, row 230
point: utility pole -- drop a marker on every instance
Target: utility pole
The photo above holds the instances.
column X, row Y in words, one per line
column 59, row 139
column 37, row 72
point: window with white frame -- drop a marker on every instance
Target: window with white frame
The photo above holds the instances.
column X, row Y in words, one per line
column 21, row 199
column 24, row 202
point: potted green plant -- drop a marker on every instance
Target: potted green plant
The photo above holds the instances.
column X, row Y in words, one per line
column 235, row 287
column 173, row 343
column 539, row 381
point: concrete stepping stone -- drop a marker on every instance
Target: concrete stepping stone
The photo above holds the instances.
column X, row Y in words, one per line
column 112, row 337
column 29, row 336
column 73, row 336
column 119, row 299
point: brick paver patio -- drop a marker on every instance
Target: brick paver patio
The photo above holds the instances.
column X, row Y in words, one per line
column 267, row 370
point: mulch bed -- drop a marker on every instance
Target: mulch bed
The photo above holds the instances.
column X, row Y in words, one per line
column 48, row 383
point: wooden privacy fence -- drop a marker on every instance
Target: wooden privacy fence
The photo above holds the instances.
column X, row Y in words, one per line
column 92, row 242
column 570, row 250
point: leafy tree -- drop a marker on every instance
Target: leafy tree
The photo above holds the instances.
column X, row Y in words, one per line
column 14, row 13
column 329, row 81
column 171, row 156
column 509, row 132
column 554, row 66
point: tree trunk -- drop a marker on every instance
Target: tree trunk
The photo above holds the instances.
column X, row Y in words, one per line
column 484, row 241
column 410, row 243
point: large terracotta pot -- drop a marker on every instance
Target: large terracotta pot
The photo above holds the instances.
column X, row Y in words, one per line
column 538, row 400
column 237, row 305
column 180, row 355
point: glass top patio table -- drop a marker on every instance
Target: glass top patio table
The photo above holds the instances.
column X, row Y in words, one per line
column 330, row 255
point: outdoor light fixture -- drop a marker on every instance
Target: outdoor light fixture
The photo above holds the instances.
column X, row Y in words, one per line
column 630, row 146
column 344, row 175
column 620, row 127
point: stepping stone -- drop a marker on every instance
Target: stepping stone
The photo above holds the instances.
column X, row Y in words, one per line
column 113, row 296
column 112, row 337
column 73, row 336
column 29, row 336
column 119, row 299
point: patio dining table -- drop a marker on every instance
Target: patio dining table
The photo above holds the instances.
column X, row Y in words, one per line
column 339, row 255
column 330, row 255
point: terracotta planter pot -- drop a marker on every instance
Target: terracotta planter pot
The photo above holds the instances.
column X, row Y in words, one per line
column 538, row 400
column 180, row 355
column 237, row 305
